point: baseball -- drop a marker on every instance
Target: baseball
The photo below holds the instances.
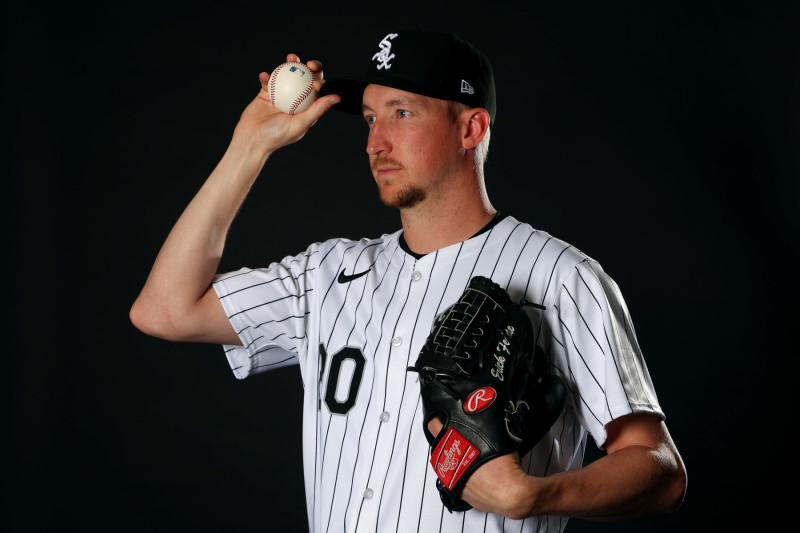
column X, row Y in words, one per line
column 290, row 87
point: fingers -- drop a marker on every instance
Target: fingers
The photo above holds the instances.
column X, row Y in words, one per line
column 435, row 425
column 320, row 106
column 263, row 77
column 313, row 65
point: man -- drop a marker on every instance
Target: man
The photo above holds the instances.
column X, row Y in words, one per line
column 354, row 314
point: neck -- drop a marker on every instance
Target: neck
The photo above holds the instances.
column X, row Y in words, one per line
column 448, row 220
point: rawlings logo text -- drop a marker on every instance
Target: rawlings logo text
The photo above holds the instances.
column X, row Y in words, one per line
column 451, row 458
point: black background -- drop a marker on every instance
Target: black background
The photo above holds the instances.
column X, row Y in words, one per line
column 662, row 140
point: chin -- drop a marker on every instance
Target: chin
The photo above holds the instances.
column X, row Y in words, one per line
column 404, row 198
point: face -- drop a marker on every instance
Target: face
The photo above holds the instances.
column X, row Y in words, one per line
column 413, row 146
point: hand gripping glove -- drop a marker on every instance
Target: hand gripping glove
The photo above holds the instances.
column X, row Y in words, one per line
column 482, row 375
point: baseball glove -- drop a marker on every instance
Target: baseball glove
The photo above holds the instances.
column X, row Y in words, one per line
column 481, row 374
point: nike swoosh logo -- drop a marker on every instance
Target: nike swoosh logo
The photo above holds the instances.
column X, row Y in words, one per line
column 344, row 278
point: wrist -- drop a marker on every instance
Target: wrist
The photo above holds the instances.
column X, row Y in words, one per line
column 500, row 486
column 517, row 496
column 247, row 148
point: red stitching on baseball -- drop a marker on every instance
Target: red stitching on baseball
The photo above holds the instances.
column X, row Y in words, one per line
column 302, row 96
column 272, row 83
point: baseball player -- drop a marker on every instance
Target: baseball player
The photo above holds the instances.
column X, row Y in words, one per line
column 354, row 314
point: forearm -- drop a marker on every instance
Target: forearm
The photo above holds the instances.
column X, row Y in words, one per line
column 631, row 482
column 190, row 255
column 642, row 473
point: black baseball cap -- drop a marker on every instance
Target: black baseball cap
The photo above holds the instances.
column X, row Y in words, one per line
column 436, row 64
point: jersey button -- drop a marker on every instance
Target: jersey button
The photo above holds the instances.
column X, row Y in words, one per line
column 416, row 276
column 385, row 416
column 397, row 341
column 368, row 494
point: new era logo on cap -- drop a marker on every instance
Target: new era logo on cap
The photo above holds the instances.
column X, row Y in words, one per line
column 433, row 64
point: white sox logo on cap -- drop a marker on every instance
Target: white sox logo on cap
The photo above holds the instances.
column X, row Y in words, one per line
column 433, row 64
column 385, row 54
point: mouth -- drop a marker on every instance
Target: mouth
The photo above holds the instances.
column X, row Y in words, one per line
column 384, row 166
column 383, row 172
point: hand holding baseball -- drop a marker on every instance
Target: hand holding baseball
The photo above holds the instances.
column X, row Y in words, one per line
column 269, row 127
column 291, row 87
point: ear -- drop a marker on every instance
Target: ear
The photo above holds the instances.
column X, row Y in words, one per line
column 476, row 123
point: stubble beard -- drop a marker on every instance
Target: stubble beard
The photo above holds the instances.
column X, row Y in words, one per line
column 405, row 198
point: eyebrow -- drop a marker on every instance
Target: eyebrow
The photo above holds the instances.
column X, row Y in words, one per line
column 390, row 103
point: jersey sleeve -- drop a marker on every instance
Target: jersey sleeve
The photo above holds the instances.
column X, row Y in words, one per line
column 268, row 308
column 605, row 366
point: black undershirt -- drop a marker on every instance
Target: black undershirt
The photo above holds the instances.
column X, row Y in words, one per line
column 492, row 223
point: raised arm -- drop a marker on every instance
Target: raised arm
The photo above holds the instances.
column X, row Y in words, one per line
column 177, row 301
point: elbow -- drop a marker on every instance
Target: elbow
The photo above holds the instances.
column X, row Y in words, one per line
column 141, row 318
column 152, row 320
column 670, row 490
column 676, row 492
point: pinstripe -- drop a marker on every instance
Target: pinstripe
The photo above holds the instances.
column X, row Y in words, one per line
column 588, row 368
column 382, row 330
column 449, row 277
column 256, row 285
column 347, row 426
column 416, row 407
column 336, row 476
column 500, row 255
column 271, row 302
column 371, row 391
column 628, row 365
column 519, row 255
column 553, row 271
column 609, row 344
column 333, row 280
column 331, row 419
column 397, row 418
column 365, row 454
column 588, row 327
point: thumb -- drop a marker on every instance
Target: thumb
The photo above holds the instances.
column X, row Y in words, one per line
column 319, row 107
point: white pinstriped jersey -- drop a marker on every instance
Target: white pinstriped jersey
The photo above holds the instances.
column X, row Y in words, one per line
column 354, row 315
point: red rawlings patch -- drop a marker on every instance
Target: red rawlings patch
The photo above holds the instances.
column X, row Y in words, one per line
column 451, row 457
column 479, row 399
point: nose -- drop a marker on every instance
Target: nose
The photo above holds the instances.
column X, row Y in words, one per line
column 377, row 141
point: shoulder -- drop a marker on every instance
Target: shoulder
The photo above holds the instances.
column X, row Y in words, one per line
column 325, row 260
column 337, row 248
column 540, row 244
column 543, row 263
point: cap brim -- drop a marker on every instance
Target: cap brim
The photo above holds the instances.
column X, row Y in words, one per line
column 351, row 89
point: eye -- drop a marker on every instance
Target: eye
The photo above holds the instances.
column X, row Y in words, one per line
column 370, row 119
column 402, row 113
